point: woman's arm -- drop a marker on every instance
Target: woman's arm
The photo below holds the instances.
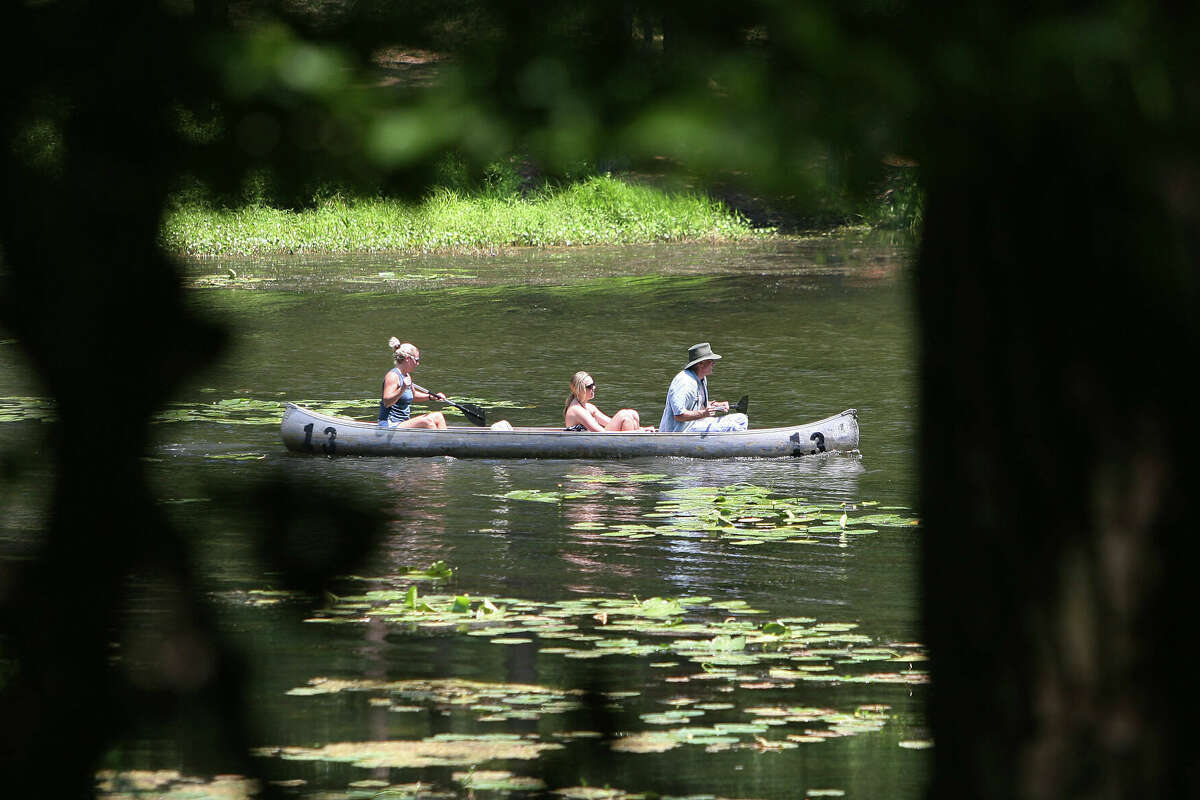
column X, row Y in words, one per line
column 392, row 389
column 601, row 418
column 578, row 415
column 421, row 395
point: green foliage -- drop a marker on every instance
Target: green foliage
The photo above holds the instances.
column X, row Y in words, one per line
column 499, row 179
column 600, row 210
column 900, row 203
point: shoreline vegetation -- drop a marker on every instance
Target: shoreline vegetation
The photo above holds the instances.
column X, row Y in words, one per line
column 502, row 213
column 599, row 210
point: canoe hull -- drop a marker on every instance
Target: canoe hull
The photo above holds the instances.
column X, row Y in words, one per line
column 305, row 431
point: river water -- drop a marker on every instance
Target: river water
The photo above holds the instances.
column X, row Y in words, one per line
column 738, row 636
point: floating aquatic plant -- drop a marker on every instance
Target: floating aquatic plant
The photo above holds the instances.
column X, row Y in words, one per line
column 172, row 785
column 540, row 496
column 496, row 781
column 626, row 477
column 697, row 629
column 744, row 515
column 27, row 409
column 442, row 750
column 493, row 701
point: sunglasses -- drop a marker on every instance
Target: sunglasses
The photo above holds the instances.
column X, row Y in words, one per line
column 415, row 359
column 591, row 385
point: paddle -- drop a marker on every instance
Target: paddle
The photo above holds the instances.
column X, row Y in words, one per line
column 471, row 411
column 741, row 405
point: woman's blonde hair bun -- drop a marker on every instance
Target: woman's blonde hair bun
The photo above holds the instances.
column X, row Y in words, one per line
column 401, row 350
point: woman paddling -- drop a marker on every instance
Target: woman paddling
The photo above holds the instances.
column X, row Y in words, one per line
column 399, row 392
column 579, row 410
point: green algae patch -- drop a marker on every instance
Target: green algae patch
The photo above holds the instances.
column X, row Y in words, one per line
column 443, row 750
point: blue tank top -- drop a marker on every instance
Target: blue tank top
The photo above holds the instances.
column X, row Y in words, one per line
column 402, row 408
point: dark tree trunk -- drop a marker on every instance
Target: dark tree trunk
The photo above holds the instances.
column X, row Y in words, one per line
column 1057, row 289
column 212, row 12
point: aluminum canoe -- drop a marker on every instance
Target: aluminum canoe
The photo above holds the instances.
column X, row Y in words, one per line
column 305, row 431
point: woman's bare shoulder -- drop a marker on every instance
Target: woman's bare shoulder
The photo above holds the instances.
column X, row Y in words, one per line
column 580, row 415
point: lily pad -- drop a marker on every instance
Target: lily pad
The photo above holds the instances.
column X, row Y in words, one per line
column 496, row 781
column 630, row 477
column 171, row 785
column 444, row 750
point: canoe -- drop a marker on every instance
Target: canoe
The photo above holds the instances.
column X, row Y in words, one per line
column 306, row 431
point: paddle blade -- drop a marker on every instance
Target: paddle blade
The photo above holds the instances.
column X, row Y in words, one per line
column 742, row 405
column 472, row 412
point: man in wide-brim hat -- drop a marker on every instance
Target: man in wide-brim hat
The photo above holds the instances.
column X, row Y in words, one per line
column 688, row 407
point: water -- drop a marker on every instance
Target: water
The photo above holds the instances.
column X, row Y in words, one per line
column 806, row 328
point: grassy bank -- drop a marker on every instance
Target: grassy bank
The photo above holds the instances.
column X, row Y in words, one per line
column 598, row 210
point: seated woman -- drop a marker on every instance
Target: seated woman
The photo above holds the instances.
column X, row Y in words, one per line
column 580, row 411
column 395, row 409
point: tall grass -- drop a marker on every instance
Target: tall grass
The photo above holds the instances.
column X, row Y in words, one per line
column 598, row 210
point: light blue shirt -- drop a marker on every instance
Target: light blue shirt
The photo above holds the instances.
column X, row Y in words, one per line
column 687, row 393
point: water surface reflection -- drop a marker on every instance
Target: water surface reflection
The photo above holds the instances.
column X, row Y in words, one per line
column 808, row 329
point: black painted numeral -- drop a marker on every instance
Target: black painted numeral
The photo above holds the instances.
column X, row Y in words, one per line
column 308, row 437
column 799, row 448
column 330, row 446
